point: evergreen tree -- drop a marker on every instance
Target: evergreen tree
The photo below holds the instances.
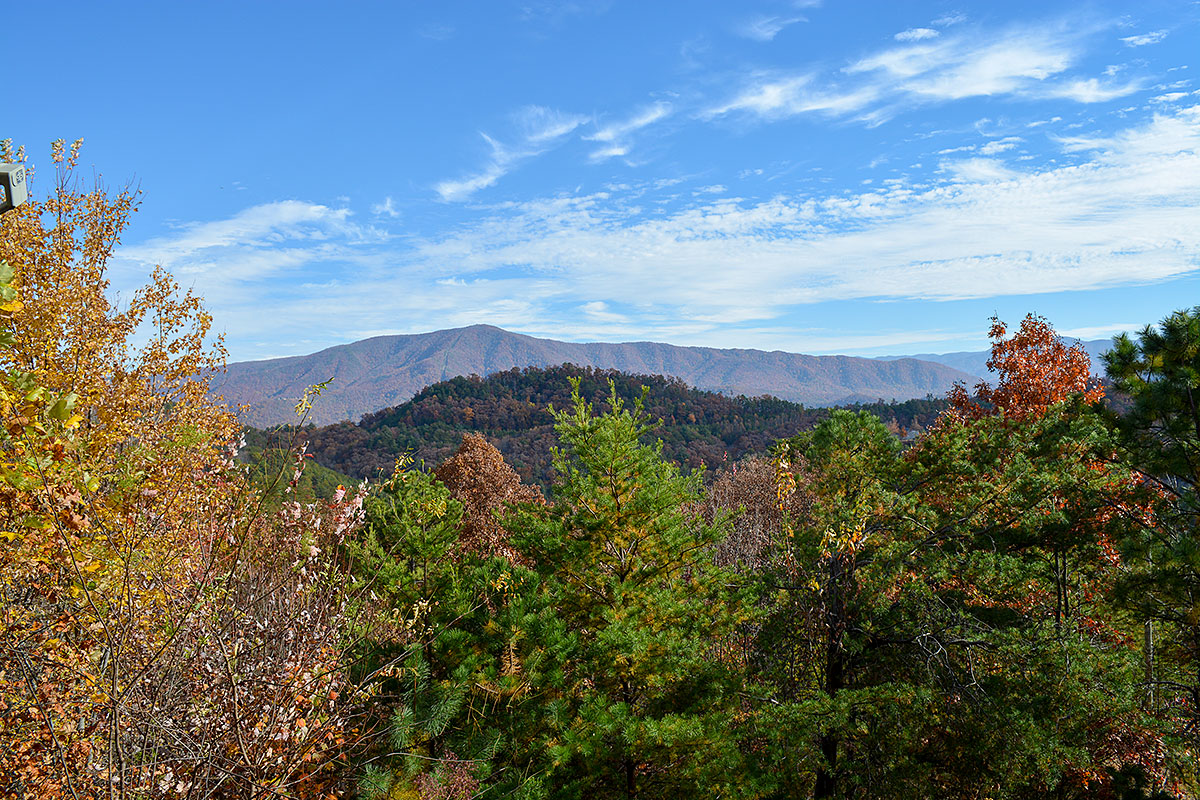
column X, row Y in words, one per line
column 1160, row 374
column 435, row 645
column 629, row 653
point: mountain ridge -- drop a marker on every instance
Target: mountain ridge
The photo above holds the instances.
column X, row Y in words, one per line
column 383, row 371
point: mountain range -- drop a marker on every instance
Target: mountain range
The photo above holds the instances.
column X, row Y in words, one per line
column 387, row 370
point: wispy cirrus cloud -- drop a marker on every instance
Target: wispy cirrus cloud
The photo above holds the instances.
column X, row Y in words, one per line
column 946, row 20
column 719, row 269
column 271, row 249
column 763, row 28
column 260, row 228
column 385, row 209
column 1101, row 331
column 772, row 96
column 977, row 170
column 1124, row 216
column 1000, row 145
column 916, row 34
column 1030, row 62
column 537, row 129
column 1091, row 90
column 1142, row 39
column 615, row 137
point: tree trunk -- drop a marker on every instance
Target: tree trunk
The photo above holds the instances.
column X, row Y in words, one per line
column 826, row 785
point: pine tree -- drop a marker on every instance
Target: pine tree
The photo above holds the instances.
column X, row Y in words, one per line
column 625, row 652
column 430, row 652
column 1160, row 373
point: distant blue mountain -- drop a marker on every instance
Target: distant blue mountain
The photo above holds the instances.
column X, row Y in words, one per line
column 974, row 362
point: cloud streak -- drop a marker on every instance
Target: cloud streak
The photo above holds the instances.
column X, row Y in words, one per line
column 1023, row 63
column 1143, row 39
column 1124, row 216
column 765, row 28
column 538, row 129
column 615, row 138
column 916, row 34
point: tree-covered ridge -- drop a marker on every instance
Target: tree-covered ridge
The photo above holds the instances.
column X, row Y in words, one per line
column 513, row 410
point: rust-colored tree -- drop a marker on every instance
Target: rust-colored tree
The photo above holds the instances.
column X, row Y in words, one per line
column 1036, row 370
column 478, row 477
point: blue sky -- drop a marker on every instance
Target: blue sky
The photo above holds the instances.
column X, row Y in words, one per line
column 824, row 177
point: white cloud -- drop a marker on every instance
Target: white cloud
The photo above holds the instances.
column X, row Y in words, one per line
column 1040, row 122
column 609, row 265
column 791, row 96
column 1168, row 136
column 1101, row 331
column 1141, row 39
column 1000, row 145
column 261, row 227
column 916, row 34
column 765, row 28
column 1169, row 97
column 538, row 129
column 540, row 125
column 1006, row 67
column 463, row 188
column 616, row 135
column 234, row 263
column 608, row 151
column 599, row 311
column 385, row 209
column 950, row 19
column 977, row 170
column 1124, row 216
column 1090, row 90
column 1025, row 63
column 618, row 130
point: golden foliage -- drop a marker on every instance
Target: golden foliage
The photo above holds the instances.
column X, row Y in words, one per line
column 161, row 633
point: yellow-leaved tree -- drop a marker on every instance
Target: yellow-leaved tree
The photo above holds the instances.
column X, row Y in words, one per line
column 163, row 631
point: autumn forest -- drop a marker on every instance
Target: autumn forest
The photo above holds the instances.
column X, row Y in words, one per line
column 576, row 583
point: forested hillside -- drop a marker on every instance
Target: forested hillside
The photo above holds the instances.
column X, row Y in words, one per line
column 513, row 410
